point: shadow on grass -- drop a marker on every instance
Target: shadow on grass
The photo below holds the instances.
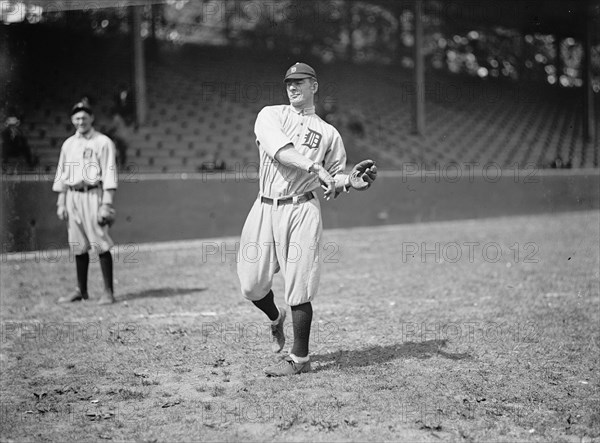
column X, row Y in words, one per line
column 159, row 292
column 381, row 354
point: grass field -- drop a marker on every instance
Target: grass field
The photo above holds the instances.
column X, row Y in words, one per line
column 482, row 330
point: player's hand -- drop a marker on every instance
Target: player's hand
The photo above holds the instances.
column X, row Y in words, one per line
column 61, row 212
column 326, row 179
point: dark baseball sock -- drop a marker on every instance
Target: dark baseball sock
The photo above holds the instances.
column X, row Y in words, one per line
column 268, row 306
column 106, row 265
column 82, row 263
column 302, row 318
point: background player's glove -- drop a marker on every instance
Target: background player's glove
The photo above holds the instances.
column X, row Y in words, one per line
column 363, row 175
column 106, row 215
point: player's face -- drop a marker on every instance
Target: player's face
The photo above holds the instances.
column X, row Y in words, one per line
column 82, row 122
column 301, row 92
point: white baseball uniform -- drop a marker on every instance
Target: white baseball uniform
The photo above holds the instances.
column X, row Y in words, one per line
column 287, row 237
column 86, row 161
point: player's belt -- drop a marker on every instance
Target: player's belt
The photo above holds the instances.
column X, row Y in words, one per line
column 303, row 198
column 84, row 188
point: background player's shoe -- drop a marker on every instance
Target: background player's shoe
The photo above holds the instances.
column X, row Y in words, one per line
column 76, row 295
column 107, row 298
column 278, row 333
column 287, row 367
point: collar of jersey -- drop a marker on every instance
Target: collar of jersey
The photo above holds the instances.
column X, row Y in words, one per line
column 90, row 134
column 305, row 111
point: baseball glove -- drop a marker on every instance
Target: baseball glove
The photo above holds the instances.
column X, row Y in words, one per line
column 363, row 175
column 106, row 215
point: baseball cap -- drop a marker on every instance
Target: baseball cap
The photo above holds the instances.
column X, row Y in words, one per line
column 83, row 105
column 300, row 70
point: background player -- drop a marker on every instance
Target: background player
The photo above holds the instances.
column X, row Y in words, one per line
column 86, row 180
column 283, row 229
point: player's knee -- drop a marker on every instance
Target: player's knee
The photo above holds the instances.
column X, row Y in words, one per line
column 249, row 294
column 297, row 300
column 77, row 248
column 253, row 292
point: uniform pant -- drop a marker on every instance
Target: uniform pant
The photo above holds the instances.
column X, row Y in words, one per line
column 282, row 238
column 83, row 228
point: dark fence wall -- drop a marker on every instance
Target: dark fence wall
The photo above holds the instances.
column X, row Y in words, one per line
column 214, row 205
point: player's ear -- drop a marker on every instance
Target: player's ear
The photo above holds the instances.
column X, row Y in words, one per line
column 315, row 87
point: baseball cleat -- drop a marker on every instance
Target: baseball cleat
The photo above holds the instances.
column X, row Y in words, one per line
column 278, row 333
column 107, row 298
column 76, row 295
column 287, row 367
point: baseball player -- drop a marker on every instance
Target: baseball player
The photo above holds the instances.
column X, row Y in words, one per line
column 86, row 181
column 298, row 153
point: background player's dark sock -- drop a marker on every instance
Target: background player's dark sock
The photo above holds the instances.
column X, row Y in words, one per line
column 106, row 265
column 268, row 306
column 82, row 263
column 302, row 318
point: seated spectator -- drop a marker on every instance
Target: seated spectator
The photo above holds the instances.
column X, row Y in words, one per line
column 124, row 105
column 217, row 165
column 121, row 123
column 14, row 142
column 558, row 163
column 220, row 165
column 119, row 132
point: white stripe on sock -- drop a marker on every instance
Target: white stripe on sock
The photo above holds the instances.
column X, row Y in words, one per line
column 299, row 359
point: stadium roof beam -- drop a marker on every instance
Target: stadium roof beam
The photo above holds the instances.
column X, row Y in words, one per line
column 86, row 5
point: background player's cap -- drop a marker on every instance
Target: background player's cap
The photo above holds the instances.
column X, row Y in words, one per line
column 300, row 70
column 83, row 105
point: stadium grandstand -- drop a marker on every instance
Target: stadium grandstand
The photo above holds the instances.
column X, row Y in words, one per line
column 202, row 101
